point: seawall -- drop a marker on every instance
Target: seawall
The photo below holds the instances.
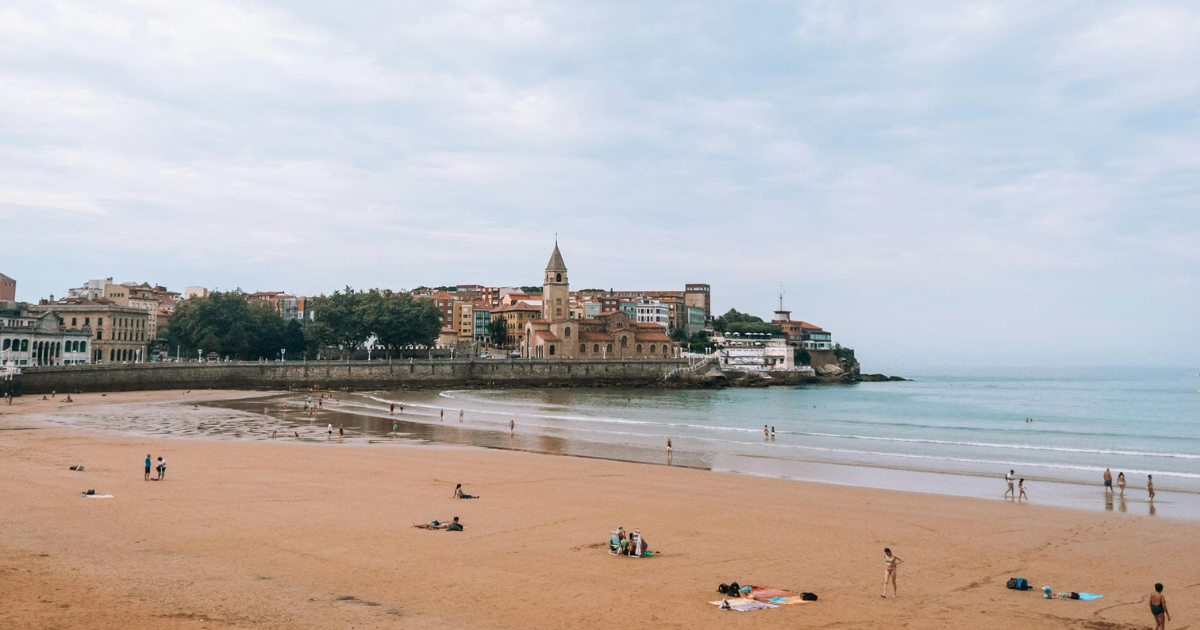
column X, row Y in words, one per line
column 333, row 375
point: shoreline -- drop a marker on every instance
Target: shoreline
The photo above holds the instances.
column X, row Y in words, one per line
column 245, row 534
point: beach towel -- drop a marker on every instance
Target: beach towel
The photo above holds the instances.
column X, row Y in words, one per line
column 744, row 605
column 787, row 601
column 98, row 496
column 767, row 593
column 1089, row 596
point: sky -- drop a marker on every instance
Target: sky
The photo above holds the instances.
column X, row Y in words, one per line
column 940, row 184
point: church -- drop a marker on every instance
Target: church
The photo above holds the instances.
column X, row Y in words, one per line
column 612, row 335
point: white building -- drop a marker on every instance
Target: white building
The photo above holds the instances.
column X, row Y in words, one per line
column 91, row 290
column 33, row 338
column 197, row 292
column 754, row 353
column 653, row 312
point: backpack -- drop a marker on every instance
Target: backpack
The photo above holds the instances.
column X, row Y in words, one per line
column 723, row 589
column 735, row 589
column 1018, row 584
column 808, row 597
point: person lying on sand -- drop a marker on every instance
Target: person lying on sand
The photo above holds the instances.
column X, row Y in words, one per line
column 452, row 526
column 459, row 494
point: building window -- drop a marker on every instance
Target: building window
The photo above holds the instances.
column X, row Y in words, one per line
column 100, row 334
column 72, row 321
column 596, row 348
column 651, row 348
column 552, row 350
column 558, row 311
column 639, row 348
column 583, row 348
column 558, row 277
column 87, row 321
column 567, row 332
column 609, row 348
column 624, row 342
column 99, row 321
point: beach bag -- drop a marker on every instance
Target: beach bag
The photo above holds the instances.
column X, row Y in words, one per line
column 91, row 491
column 723, row 589
column 808, row 597
column 1018, row 584
column 735, row 589
column 1074, row 595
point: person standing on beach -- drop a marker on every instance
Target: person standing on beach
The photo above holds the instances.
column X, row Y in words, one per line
column 512, row 425
column 890, row 564
column 772, row 433
column 442, row 415
column 1021, row 487
column 1009, row 480
column 1107, row 481
column 1158, row 608
column 460, row 414
column 162, row 468
column 1121, row 483
column 1150, row 485
column 766, row 433
column 329, row 432
column 341, row 432
column 395, row 426
column 670, row 453
column 147, row 477
column 392, row 410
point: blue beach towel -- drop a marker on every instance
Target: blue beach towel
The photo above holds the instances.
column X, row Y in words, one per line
column 1089, row 596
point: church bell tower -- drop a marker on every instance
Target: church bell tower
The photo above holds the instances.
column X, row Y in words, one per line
column 556, row 292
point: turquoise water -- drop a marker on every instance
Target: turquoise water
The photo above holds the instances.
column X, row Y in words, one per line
column 959, row 423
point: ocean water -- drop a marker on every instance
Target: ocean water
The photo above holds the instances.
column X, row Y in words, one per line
column 955, row 432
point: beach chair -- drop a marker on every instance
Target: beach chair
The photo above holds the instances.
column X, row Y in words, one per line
column 614, row 543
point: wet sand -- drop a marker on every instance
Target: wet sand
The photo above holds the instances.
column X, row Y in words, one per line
column 252, row 532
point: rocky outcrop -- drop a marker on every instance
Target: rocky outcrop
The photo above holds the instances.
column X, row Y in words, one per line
column 879, row 378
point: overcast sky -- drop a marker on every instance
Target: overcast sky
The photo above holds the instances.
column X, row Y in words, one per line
column 937, row 183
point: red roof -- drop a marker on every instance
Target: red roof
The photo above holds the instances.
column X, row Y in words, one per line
column 810, row 326
column 516, row 307
column 547, row 335
column 595, row 336
column 651, row 336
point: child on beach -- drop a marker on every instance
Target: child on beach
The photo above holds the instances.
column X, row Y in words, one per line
column 1150, row 485
column 1158, row 608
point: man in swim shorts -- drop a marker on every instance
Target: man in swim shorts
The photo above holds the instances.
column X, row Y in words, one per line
column 1107, row 481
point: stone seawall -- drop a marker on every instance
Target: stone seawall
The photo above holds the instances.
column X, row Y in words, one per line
column 331, row 375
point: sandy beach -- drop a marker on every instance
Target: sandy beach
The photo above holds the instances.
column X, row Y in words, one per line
column 287, row 534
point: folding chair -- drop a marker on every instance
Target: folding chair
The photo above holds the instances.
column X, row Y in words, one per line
column 614, row 543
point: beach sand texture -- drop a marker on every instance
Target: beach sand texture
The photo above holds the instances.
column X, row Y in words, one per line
column 286, row 534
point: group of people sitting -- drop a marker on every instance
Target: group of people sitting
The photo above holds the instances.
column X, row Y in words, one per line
column 620, row 543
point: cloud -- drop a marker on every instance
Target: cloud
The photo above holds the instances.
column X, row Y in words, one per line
column 917, row 175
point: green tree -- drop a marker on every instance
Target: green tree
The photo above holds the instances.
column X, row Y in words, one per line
column 759, row 328
column 802, row 356
column 344, row 320
column 845, row 354
column 679, row 335
column 236, row 343
column 498, row 329
column 723, row 322
column 293, row 337
column 399, row 320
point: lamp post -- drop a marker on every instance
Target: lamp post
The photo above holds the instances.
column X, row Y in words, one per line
column 200, row 355
column 282, row 355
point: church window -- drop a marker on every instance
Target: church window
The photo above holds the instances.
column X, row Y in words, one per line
column 639, row 348
column 624, row 342
column 552, row 350
column 651, row 348
column 567, row 331
column 583, row 348
column 558, row 311
column 609, row 348
column 558, row 301
column 596, row 348
column 558, row 277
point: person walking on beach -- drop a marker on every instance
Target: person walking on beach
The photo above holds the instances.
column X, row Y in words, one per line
column 890, row 564
column 670, row 453
column 341, row 432
column 395, row 426
column 460, row 414
column 392, row 410
column 1009, row 480
column 147, row 477
column 442, row 415
column 1107, row 481
column 1121, row 483
column 512, row 425
column 1158, row 608
column 1021, row 487
column 329, row 432
column 1150, row 486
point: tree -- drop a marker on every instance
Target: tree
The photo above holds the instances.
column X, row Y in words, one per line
column 844, row 354
column 293, row 337
column 802, row 356
column 236, row 343
column 679, row 335
column 398, row 319
column 758, row 328
column 345, row 324
column 498, row 329
column 722, row 323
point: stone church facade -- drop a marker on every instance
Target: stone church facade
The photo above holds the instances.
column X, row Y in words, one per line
column 612, row 335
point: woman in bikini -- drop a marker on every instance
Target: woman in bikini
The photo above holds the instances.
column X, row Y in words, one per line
column 1121, row 483
column 1021, row 487
column 890, row 563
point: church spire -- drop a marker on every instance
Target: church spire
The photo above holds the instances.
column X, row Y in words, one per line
column 556, row 260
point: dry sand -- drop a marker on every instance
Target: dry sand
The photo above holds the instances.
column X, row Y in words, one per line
column 283, row 534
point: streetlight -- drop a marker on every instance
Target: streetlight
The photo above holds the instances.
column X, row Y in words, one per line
column 282, row 355
column 199, row 355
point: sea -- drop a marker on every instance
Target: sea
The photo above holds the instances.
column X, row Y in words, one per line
column 954, row 432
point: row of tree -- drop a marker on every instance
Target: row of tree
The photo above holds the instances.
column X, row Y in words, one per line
column 347, row 319
column 742, row 323
column 225, row 323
